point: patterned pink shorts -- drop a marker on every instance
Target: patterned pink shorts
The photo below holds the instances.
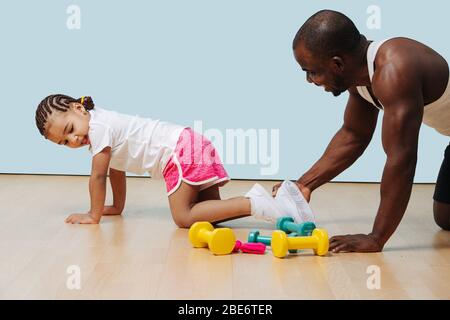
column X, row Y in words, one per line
column 196, row 162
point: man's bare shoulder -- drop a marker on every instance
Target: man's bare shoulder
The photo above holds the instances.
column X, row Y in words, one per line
column 399, row 55
column 397, row 66
column 401, row 49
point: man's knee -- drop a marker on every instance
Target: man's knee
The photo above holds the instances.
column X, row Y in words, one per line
column 441, row 212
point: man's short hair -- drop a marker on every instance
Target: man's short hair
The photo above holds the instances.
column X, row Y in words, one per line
column 328, row 33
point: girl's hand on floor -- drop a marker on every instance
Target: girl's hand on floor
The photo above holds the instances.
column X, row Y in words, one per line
column 81, row 218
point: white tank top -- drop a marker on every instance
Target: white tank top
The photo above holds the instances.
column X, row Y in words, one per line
column 435, row 115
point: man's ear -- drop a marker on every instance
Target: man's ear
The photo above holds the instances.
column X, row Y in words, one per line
column 337, row 64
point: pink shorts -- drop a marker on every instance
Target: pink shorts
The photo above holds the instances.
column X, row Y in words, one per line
column 196, row 162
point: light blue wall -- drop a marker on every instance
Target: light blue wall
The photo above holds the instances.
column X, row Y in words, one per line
column 227, row 63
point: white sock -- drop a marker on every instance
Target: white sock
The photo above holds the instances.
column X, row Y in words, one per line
column 253, row 205
column 263, row 205
column 287, row 204
column 288, row 195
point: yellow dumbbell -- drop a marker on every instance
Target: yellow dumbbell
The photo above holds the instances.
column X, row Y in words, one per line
column 219, row 241
column 318, row 241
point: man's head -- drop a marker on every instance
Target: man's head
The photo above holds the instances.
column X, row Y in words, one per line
column 326, row 47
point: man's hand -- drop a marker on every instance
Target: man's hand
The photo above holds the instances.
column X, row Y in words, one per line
column 305, row 191
column 81, row 218
column 275, row 189
column 355, row 243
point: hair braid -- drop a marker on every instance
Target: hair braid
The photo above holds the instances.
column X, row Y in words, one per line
column 58, row 102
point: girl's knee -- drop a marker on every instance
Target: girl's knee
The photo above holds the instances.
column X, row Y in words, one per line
column 441, row 213
column 183, row 225
column 183, row 220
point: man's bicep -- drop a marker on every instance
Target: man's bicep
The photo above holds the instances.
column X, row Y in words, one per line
column 100, row 162
column 401, row 126
column 400, row 92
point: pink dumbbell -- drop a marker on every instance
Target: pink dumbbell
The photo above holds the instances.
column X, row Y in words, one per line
column 255, row 248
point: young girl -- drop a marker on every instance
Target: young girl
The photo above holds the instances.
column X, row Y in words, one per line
column 186, row 160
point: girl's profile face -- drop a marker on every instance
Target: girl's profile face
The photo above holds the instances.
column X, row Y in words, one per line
column 69, row 128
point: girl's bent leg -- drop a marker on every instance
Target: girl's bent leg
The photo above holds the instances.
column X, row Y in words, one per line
column 212, row 193
column 186, row 209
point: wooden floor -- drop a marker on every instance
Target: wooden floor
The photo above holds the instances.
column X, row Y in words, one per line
column 143, row 255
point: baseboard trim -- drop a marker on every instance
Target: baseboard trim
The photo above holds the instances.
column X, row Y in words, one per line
column 143, row 177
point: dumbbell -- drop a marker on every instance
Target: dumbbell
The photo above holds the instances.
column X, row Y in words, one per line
column 288, row 225
column 254, row 237
column 219, row 241
column 318, row 241
column 253, row 247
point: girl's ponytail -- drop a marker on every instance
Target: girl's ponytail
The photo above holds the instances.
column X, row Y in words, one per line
column 87, row 102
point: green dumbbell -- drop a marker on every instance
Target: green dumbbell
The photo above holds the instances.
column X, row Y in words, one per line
column 255, row 237
column 288, row 225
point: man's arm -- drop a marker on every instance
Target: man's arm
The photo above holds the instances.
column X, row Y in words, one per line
column 349, row 143
column 118, row 186
column 401, row 125
column 97, row 183
column 403, row 112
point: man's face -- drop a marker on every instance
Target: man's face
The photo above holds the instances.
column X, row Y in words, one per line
column 321, row 73
column 69, row 128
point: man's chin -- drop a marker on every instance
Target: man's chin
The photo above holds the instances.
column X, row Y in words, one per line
column 337, row 93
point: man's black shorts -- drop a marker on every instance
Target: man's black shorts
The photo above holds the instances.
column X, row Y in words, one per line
column 442, row 192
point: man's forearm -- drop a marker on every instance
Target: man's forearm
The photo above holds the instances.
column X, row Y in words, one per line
column 344, row 149
column 97, row 190
column 396, row 186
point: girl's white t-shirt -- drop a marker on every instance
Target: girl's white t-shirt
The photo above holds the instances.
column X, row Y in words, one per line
column 138, row 145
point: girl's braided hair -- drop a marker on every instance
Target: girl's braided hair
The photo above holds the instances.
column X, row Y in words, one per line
column 58, row 102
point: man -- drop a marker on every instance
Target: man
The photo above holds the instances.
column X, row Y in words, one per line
column 404, row 78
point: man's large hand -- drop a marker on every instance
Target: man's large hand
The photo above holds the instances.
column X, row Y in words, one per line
column 275, row 189
column 305, row 191
column 355, row 243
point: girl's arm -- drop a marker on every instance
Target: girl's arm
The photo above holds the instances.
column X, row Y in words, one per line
column 119, row 186
column 97, row 189
column 97, row 183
